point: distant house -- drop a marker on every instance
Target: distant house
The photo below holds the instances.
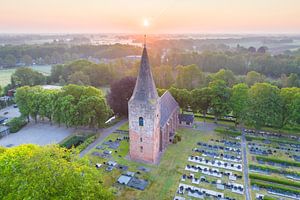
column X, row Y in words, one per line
column 186, row 119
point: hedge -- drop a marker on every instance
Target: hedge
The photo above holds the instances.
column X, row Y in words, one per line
column 227, row 131
column 73, row 141
column 16, row 124
column 275, row 160
column 86, row 143
column 269, row 198
column 274, row 187
column 274, row 180
column 273, row 169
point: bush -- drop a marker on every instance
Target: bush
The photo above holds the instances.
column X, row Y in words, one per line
column 274, row 187
column 275, row 160
column 274, row 180
column 228, row 131
column 273, row 169
column 73, row 141
column 86, row 143
column 16, row 124
column 177, row 138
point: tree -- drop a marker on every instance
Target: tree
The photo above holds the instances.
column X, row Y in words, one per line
column 265, row 106
column 253, row 77
column 34, row 172
column 201, row 100
column 182, row 96
column 295, row 108
column 10, row 60
column 120, row 93
column 189, row 77
column 288, row 97
column 22, row 99
column 293, row 80
column 26, row 76
column 220, row 98
column 163, row 76
column 262, row 50
column 27, row 60
column 225, row 75
column 79, row 78
column 239, row 101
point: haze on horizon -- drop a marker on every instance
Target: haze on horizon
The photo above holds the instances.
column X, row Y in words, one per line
column 167, row 16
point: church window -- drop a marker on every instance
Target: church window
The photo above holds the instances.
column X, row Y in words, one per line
column 141, row 149
column 141, row 121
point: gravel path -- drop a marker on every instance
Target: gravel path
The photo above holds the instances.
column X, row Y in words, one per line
column 104, row 133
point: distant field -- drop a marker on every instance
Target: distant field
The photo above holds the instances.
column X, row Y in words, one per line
column 6, row 73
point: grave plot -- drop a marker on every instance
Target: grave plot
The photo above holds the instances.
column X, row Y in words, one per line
column 274, row 170
column 109, row 157
column 213, row 170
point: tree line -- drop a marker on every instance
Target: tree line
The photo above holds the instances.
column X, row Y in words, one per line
column 47, row 54
column 261, row 104
column 71, row 105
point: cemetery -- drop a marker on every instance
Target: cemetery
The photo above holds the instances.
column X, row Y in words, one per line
column 274, row 168
column 214, row 170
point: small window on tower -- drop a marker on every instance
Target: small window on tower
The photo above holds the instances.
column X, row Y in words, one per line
column 141, row 149
column 141, row 139
column 141, row 121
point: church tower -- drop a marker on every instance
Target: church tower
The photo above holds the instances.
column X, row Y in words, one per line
column 144, row 116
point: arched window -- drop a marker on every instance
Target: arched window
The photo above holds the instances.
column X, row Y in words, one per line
column 141, row 149
column 141, row 121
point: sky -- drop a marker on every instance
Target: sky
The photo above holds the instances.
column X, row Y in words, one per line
column 164, row 16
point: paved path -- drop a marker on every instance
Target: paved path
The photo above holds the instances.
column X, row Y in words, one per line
column 104, row 133
column 245, row 161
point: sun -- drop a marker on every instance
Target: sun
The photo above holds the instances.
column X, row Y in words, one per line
column 146, row 23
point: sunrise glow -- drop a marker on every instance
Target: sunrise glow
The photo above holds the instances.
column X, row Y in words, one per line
column 168, row 16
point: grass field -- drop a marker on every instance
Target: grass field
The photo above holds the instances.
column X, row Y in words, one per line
column 6, row 73
column 165, row 177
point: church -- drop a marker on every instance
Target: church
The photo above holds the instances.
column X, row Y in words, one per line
column 153, row 120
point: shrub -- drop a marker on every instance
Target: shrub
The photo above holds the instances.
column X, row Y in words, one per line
column 16, row 124
column 86, row 143
column 274, row 187
column 228, row 131
column 273, row 169
column 274, row 180
column 73, row 141
column 177, row 138
column 275, row 160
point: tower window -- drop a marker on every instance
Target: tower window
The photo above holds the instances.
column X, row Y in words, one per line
column 141, row 139
column 141, row 149
column 141, row 121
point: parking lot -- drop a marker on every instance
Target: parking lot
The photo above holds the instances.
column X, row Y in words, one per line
column 41, row 134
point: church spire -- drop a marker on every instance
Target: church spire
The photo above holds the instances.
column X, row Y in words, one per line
column 145, row 88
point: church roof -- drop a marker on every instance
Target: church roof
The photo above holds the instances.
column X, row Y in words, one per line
column 145, row 88
column 167, row 106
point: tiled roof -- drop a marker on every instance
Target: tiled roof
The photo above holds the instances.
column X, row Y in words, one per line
column 167, row 106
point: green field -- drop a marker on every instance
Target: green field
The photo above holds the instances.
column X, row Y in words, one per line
column 6, row 73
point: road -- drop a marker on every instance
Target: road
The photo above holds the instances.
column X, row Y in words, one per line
column 104, row 133
column 245, row 162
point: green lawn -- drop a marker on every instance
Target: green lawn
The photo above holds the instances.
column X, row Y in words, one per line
column 5, row 74
column 165, row 177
